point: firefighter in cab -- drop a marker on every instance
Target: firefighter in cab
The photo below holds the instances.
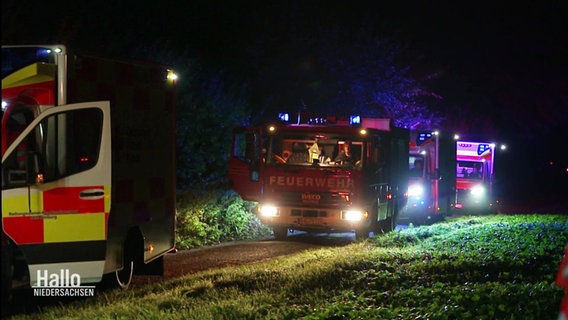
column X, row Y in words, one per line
column 345, row 156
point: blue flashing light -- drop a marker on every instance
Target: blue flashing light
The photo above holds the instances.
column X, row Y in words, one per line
column 317, row 120
column 284, row 117
column 43, row 54
column 423, row 137
column 354, row 120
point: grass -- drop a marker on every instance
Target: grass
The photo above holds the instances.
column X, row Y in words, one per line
column 490, row 267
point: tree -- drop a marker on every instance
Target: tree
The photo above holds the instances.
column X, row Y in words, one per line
column 334, row 72
column 209, row 106
column 372, row 79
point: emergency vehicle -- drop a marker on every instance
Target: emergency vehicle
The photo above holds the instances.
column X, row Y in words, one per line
column 88, row 172
column 432, row 176
column 323, row 174
column 474, row 175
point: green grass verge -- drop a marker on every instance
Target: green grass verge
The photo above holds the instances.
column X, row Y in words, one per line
column 490, row 267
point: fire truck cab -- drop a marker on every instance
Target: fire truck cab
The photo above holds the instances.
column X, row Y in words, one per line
column 432, row 178
column 322, row 174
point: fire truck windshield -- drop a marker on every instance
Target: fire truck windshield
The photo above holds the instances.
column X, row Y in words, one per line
column 416, row 166
column 315, row 150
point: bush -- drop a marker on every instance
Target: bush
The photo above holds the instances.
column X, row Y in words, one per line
column 210, row 217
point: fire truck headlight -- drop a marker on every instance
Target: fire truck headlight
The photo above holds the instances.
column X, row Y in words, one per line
column 353, row 215
column 415, row 190
column 268, row 211
column 477, row 191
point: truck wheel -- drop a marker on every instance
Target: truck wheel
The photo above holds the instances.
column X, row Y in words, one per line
column 436, row 218
column 361, row 234
column 386, row 225
column 389, row 223
column 280, row 233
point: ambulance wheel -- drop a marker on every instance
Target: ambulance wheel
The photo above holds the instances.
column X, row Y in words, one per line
column 280, row 233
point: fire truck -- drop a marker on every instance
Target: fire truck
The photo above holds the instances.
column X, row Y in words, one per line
column 322, row 174
column 88, row 172
column 432, row 176
column 474, row 175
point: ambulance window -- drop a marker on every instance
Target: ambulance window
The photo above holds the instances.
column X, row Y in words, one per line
column 61, row 145
column 71, row 142
column 15, row 171
column 15, row 124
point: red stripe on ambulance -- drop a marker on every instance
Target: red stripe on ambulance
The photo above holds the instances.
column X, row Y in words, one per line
column 24, row 230
column 70, row 198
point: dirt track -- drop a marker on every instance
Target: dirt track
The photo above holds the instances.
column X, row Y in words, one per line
column 231, row 254
column 239, row 253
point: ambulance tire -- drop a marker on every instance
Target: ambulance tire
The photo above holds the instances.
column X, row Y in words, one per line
column 280, row 233
column 7, row 273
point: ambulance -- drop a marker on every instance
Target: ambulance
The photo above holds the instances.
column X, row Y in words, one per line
column 322, row 173
column 474, row 176
column 88, row 171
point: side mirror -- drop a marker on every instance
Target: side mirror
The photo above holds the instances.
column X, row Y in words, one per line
column 16, row 177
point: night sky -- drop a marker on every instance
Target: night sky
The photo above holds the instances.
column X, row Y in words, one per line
column 505, row 62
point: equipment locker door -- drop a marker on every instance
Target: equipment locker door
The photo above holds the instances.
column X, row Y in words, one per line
column 55, row 206
column 245, row 164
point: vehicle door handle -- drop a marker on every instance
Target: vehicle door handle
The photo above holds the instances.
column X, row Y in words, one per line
column 92, row 194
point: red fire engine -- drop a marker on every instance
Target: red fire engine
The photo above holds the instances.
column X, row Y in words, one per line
column 88, row 175
column 323, row 174
column 432, row 176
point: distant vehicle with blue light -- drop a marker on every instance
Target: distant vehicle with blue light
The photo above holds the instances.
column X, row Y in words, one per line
column 322, row 174
column 474, row 176
column 432, row 178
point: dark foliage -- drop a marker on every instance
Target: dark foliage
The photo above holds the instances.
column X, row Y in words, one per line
column 211, row 217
